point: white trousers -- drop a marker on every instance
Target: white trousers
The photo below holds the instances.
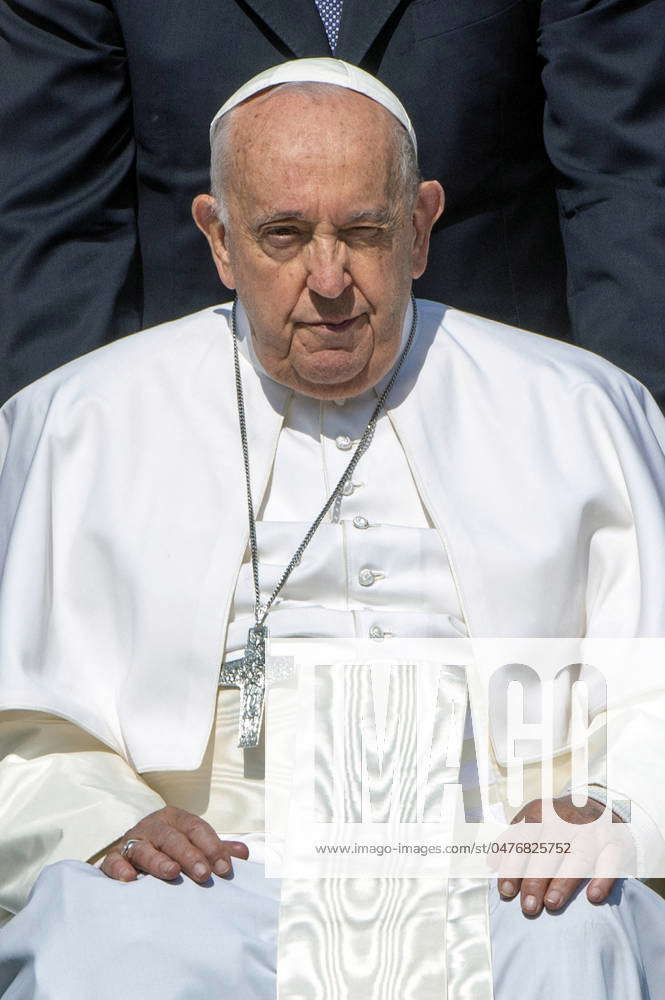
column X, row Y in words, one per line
column 82, row 935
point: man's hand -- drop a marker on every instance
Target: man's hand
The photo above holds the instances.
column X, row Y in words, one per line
column 170, row 841
column 553, row 893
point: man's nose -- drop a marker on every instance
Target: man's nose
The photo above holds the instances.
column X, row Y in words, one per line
column 327, row 268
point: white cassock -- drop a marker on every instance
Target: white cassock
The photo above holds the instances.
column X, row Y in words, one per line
column 525, row 497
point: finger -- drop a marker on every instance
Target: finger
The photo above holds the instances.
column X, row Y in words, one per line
column 599, row 889
column 530, row 813
column 532, row 894
column 617, row 859
column 559, row 892
column 119, row 868
column 202, row 835
column 146, row 858
column 509, row 887
column 175, row 845
column 236, row 848
column 232, row 849
column 586, row 845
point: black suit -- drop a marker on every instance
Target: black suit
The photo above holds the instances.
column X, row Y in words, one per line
column 104, row 144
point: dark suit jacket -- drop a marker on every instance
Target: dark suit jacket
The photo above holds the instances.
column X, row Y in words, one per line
column 543, row 119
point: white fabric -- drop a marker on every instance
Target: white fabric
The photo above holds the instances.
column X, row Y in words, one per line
column 85, row 935
column 76, row 406
column 401, row 926
column 525, row 564
column 572, row 542
column 416, row 585
column 320, row 69
column 63, row 794
column 399, row 545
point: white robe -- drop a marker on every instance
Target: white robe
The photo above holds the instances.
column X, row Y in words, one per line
column 549, row 559
column 540, row 465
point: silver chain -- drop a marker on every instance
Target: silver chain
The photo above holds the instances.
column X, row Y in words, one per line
column 261, row 610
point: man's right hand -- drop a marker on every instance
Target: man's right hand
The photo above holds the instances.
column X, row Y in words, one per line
column 171, row 841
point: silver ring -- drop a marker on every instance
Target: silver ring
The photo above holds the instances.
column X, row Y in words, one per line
column 127, row 846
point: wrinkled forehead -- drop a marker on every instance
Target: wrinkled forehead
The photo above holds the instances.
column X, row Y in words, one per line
column 310, row 148
column 311, row 119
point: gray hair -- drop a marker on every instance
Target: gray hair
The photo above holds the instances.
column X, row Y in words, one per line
column 403, row 176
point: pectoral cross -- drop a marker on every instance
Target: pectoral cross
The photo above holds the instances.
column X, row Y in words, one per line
column 248, row 673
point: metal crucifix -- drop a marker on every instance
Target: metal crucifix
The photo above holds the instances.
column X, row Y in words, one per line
column 248, row 673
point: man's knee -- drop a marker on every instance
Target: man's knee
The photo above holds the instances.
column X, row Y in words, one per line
column 583, row 943
column 78, row 922
column 75, row 899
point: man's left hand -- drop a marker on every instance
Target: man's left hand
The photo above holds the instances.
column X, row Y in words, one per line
column 554, row 893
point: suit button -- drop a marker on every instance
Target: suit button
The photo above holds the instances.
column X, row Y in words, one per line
column 366, row 577
column 344, row 442
column 348, row 488
column 360, row 522
column 376, row 632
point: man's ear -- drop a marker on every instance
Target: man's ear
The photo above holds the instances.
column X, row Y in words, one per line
column 204, row 212
column 428, row 208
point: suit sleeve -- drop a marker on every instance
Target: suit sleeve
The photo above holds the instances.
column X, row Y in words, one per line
column 604, row 79
column 69, row 263
column 63, row 795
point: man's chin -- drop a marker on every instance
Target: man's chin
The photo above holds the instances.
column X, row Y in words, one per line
column 334, row 388
column 336, row 380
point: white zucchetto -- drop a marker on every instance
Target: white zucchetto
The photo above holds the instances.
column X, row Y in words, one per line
column 319, row 70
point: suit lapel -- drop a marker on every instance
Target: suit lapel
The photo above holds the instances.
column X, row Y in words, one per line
column 361, row 23
column 295, row 22
column 298, row 24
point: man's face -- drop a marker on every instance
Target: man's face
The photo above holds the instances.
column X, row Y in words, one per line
column 320, row 249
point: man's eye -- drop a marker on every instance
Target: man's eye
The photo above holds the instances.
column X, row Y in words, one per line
column 363, row 232
column 282, row 234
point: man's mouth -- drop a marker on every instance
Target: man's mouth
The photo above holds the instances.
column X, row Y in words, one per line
column 334, row 326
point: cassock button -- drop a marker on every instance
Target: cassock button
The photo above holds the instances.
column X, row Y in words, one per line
column 360, row 522
column 366, row 577
column 344, row 442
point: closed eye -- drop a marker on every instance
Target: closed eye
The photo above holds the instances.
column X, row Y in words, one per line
column 370, row 235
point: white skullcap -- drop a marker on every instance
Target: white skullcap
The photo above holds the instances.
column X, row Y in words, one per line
column 320, row 70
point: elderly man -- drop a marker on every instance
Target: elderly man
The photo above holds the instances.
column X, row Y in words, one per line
column 489, row 482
